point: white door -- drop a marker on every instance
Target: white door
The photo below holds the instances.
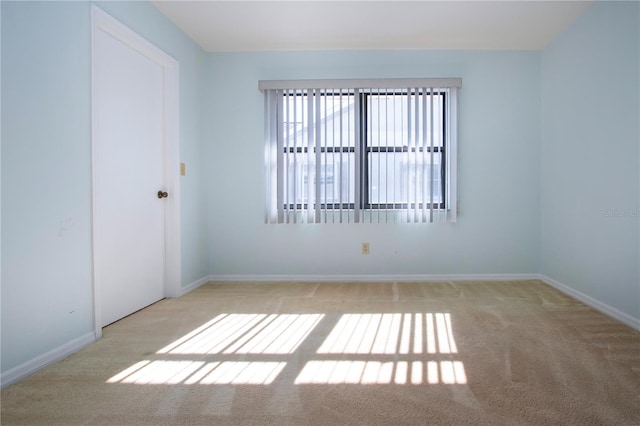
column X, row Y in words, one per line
column 129, row 170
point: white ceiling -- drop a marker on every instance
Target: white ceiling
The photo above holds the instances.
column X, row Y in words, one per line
column 222, row 26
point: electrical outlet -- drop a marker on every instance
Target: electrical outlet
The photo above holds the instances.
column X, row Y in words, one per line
column 365, row 248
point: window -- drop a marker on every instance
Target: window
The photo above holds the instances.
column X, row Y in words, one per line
column 344, row 151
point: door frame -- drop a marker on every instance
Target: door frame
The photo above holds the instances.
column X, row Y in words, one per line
column 101, row 21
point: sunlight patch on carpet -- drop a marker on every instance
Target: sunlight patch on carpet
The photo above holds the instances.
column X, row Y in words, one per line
column 246, row 334
column 390, row 334
column 429, row 335
column 382, row 373
column 198, row 372
column 360, row 348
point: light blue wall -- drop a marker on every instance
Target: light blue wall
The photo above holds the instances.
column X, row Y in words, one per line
column 590, row 156
column 46, row 258
column 47, row 298
column 499, row 134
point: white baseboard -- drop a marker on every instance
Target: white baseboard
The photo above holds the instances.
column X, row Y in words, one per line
column 375, row 278
column 190, row 287
column 588, row 300
column 39, row 362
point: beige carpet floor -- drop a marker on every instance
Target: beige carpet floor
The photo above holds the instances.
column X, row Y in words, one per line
column 498, row 353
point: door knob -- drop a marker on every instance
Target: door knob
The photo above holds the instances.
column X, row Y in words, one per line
column 162, row 194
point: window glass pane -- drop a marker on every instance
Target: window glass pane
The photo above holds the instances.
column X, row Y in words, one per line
column 388, row 119
column 296, row 192
column 401, row 177
column 337, row 120
column 295, row 112
column 337, row 177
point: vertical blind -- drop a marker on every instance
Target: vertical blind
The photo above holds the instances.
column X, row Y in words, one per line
column 341, row 151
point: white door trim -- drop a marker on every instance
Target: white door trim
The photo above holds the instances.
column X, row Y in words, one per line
column 101, row 21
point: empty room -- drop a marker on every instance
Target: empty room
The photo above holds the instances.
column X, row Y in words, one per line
column 320, row 212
